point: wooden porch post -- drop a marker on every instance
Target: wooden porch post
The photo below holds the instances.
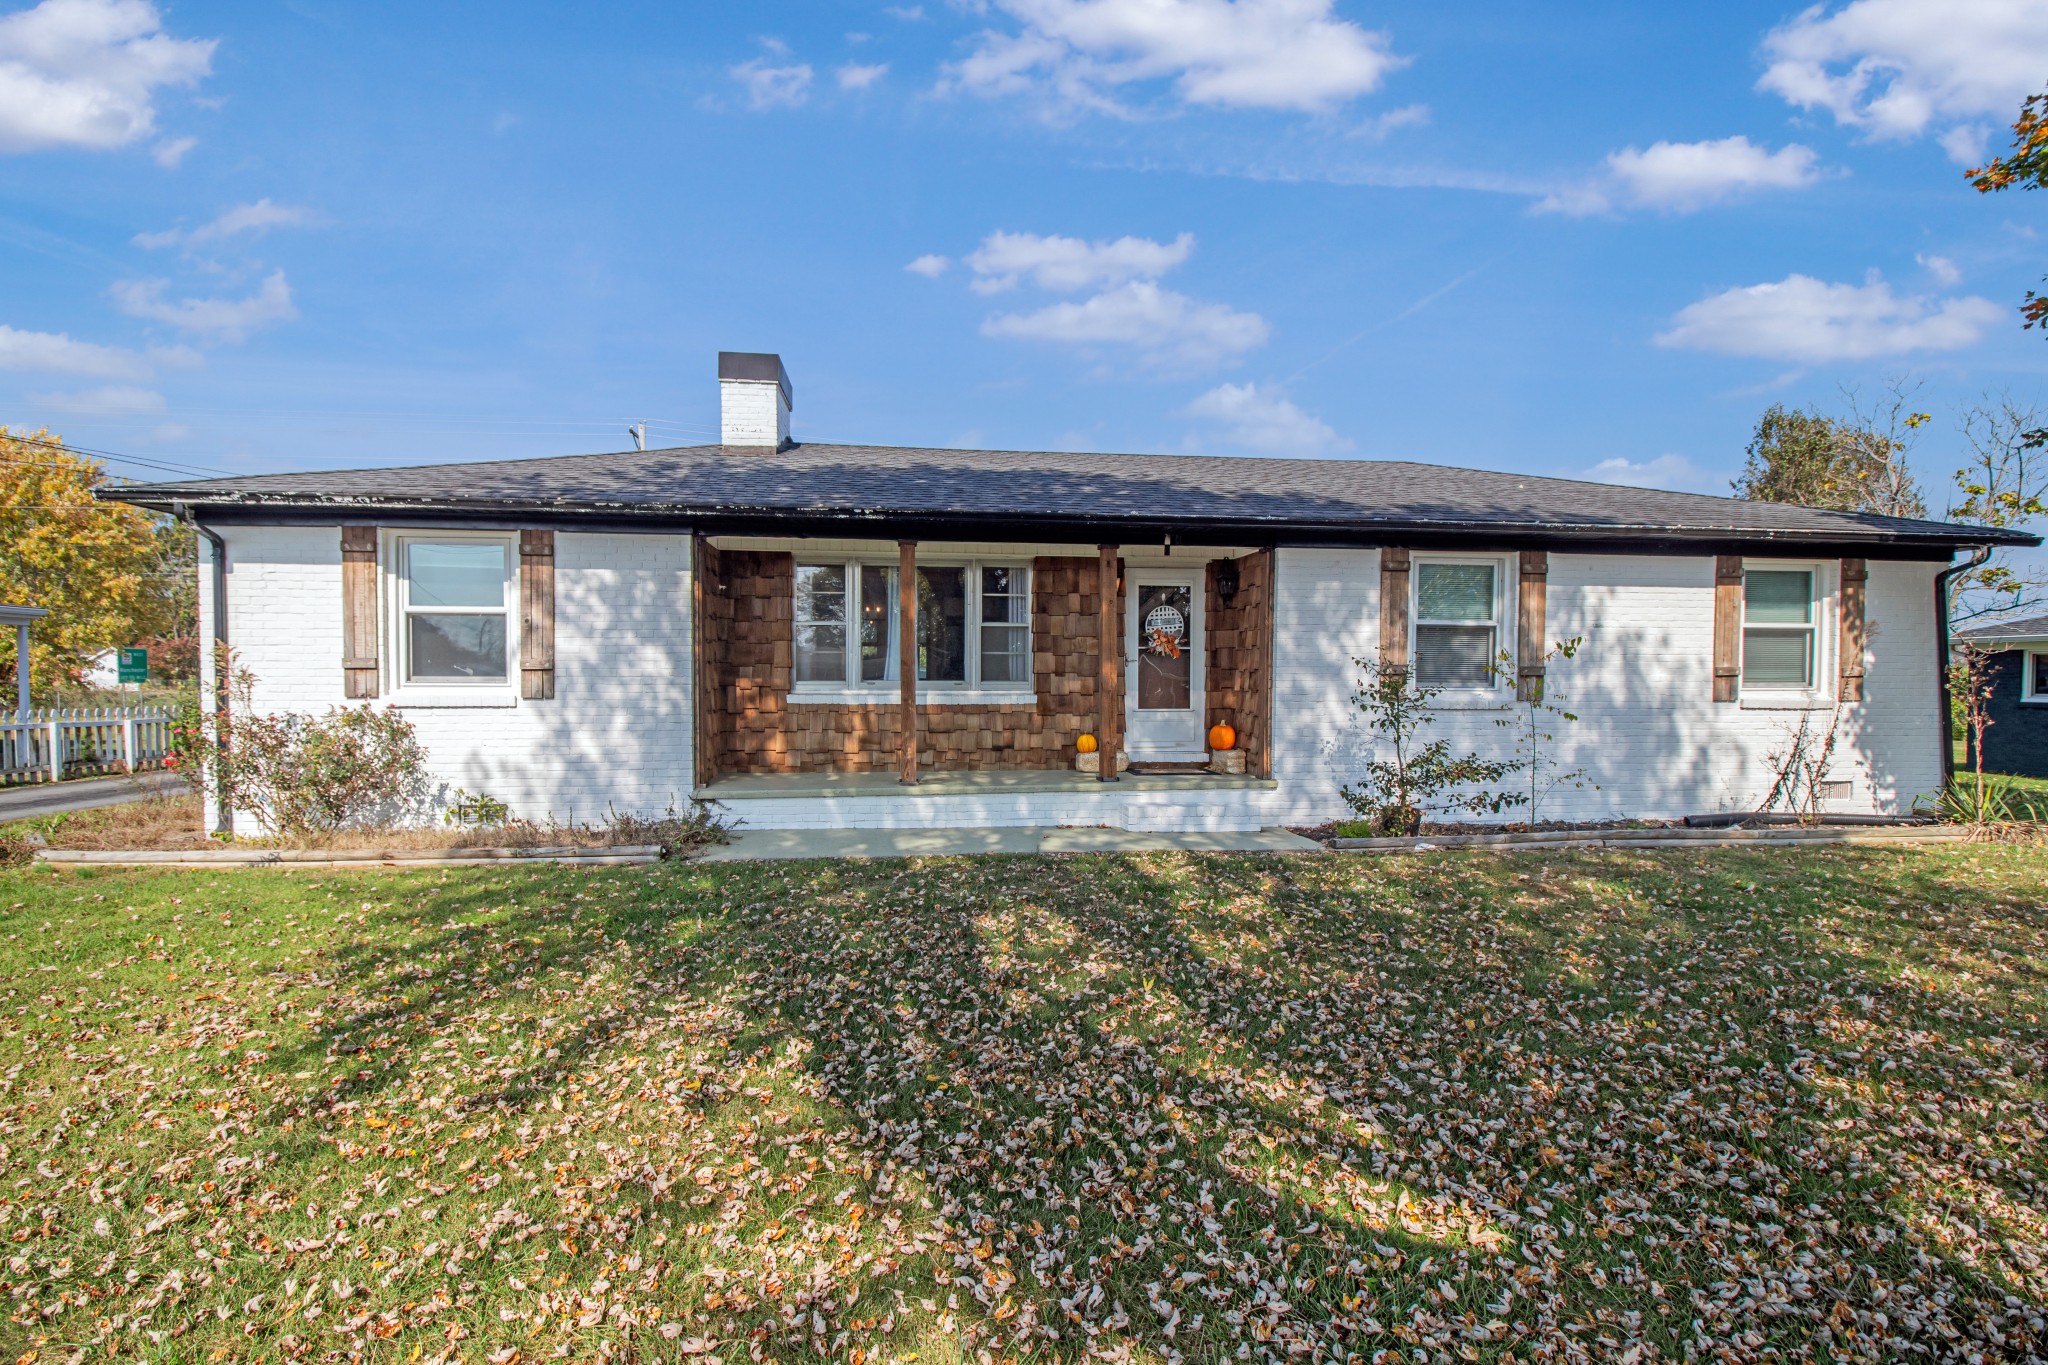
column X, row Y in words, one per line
column 906, row 664
column 1108, row 722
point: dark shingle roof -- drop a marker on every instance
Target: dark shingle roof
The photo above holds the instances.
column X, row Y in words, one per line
column 2023, row 628
column 844, row 487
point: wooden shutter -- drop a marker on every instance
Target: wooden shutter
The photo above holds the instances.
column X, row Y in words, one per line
column 536, row 615
column 1394, row 611
column 1727, row 627
column 1530, row 627
column 359, row 611
column 1855, row 573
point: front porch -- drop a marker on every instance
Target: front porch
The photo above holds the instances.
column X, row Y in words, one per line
column 996, row 798
column 975, row 782
column 841, row 679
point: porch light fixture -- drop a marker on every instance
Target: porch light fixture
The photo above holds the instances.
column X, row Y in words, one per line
column 1226, row 580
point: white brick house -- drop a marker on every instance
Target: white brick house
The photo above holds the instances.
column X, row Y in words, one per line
column 622, row 632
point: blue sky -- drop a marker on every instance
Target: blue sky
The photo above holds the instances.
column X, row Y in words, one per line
column 1586, row 240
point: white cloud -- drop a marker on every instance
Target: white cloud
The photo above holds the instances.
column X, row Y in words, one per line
column 84, row 73
column 1259, row 417
column 1380, row 126
column 1682, row 176
column 215, row 319
column 170, row 153
column 1068, row 264
column 1942, row 268
column 770, row 86
column 909, row 14
column 1811, row 321
column 115, row 400
column 56, row 353
column 1168, row 331
column 930, row 266
column 854, row 76
column 1895, row 68
column 1235, row 54
column 258, row 218
column 1665, row 471
column 1967, row 144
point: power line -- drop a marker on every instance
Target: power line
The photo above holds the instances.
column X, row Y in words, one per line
column 117, row 455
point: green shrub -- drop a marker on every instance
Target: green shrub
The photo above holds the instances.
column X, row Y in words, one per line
column 351, row 768
column 1397, row 790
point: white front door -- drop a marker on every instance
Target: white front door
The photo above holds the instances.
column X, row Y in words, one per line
column 1163, row 707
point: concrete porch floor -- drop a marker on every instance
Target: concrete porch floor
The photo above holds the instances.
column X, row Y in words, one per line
column 759, row 845
column 986, row 782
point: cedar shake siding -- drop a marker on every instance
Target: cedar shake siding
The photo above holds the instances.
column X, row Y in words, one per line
column 1239, row 672
column 749, row 723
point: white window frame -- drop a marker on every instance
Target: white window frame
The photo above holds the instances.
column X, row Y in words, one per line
column 970, row 690
column 1820, row 691
column 401, row 690
column 1488, row 694
column 2032, row 658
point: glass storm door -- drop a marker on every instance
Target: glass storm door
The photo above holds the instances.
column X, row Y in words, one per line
column 1163, row 692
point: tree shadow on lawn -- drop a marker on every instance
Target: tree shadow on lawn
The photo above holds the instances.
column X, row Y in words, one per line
column 499, row 949
column 1625, row 1089
column 1087, row 1184
column 1305, row 1100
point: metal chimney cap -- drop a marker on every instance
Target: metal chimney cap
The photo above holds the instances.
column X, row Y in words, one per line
column 761, row 367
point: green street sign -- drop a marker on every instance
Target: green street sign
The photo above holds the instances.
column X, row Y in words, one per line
column 133, row 666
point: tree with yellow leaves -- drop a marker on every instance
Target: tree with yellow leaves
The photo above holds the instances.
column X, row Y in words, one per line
column 2026, row 165
column 110, row 574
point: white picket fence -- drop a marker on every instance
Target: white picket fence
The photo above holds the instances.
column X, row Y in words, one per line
column 56, row 742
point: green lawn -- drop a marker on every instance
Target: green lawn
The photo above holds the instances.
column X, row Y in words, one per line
column 1783, row 1104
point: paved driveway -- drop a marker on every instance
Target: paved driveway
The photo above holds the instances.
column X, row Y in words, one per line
column 24, row 803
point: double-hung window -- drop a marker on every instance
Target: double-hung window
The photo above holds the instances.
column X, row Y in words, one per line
column 454, row 618
column 1005, row 625
column 973, row 626
column 1457, row 623
column 2034, row 676
column 820, row 623
column 1780, row 636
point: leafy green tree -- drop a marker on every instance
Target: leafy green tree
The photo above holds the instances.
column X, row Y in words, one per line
column 2026, row 165
column 1418, row 775
column 1854, row 464
column 110, row 574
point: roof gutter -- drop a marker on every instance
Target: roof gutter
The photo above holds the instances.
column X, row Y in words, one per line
column 1941, row 657
column 764, row 520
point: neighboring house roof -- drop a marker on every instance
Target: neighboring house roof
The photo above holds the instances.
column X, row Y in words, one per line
column 851, row 490
column 2021, row 630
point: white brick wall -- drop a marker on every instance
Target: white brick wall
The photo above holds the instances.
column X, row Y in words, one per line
column 752, row 413
column 618, row 733
column 1649, row 733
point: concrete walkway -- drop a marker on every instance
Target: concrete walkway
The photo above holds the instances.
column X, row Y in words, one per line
column 25, row 803
column 755, row 845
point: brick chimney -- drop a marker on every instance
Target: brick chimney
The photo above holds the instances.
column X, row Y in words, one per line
column 753, row 400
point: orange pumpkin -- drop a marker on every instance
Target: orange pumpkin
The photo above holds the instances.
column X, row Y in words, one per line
column 1086, row 744
column 1222, row 738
